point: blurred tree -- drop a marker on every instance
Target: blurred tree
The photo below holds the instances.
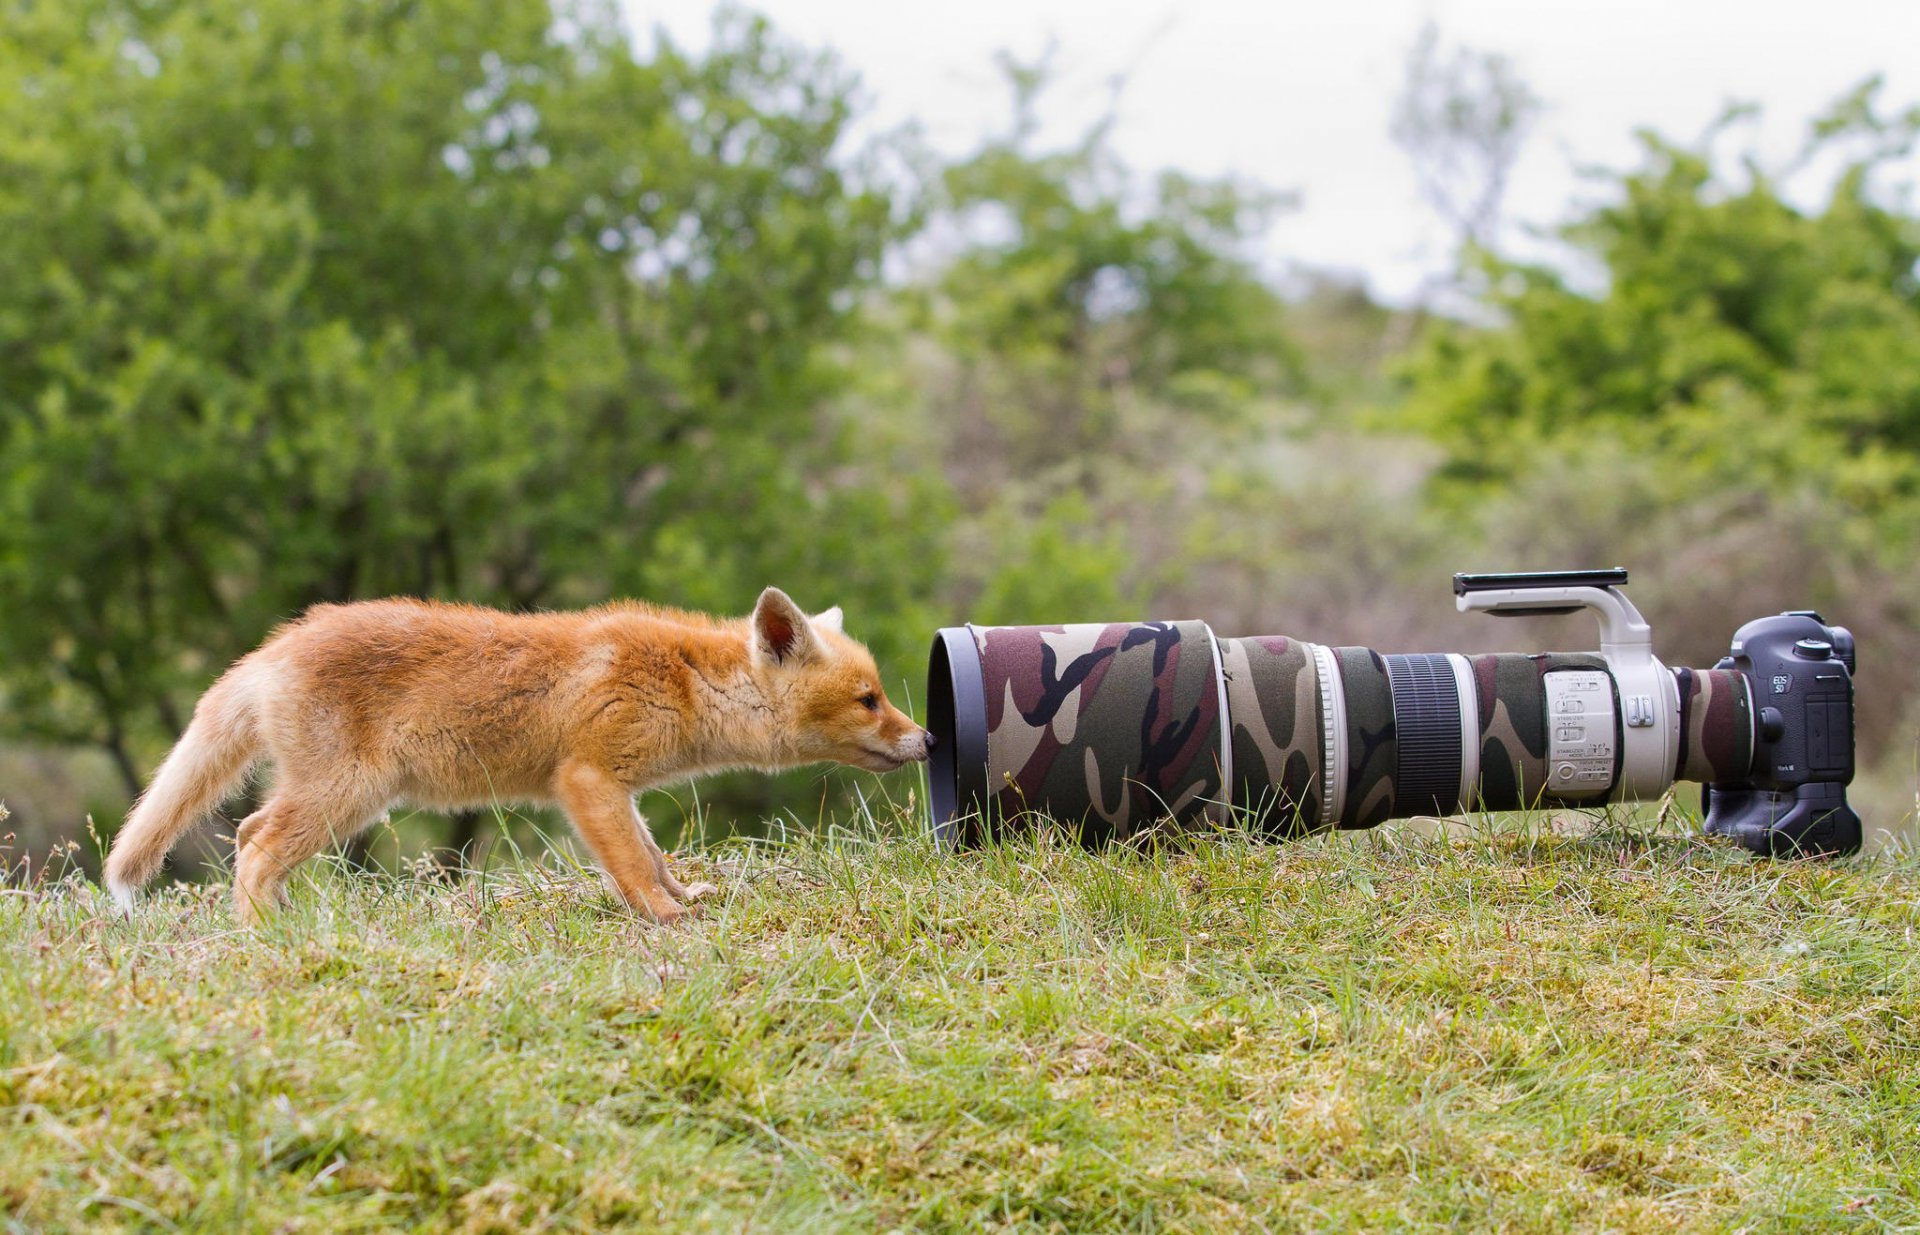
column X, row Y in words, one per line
column 1086, row 345
column 1340, row 333
column 1462, row 118
column 304, row 300
column 1739, row 341
column 1076, row 291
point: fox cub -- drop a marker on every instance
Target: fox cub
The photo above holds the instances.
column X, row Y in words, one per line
column 361, row 706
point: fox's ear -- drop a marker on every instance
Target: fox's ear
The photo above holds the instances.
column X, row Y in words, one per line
column 781, row 634
column 832, row 620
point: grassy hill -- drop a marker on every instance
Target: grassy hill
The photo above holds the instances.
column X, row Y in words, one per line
column 1527, row 1029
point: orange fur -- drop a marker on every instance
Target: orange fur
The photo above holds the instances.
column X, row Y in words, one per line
column 364, row 705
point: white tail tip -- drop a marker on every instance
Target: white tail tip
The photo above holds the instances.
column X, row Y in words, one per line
column 123, row 895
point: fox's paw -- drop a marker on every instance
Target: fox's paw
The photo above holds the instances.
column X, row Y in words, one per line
column 671, row 914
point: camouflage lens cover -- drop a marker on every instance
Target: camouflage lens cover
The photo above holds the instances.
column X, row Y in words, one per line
column 1273, row 697
column 1512, row 701
column 1716, row 727
column 1373, row 747
column 1114, row 726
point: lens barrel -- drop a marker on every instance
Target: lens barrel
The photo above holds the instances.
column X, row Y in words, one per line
column 1114, row 728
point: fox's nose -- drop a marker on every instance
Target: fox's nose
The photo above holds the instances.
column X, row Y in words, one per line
column 928, row 741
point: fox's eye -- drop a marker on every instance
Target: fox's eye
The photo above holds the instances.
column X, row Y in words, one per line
column 870, row 701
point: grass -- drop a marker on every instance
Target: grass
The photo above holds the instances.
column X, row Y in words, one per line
column 1529, row 1029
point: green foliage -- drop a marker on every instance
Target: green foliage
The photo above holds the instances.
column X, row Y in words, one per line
column 1744, row 341
column 1063, row 563
column 1087, row 344
column 305, row 301
column 1078, row 290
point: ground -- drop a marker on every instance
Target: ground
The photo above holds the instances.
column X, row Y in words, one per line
column 1507, row 1028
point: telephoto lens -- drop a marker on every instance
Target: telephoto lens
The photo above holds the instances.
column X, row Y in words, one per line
column 1114, row 729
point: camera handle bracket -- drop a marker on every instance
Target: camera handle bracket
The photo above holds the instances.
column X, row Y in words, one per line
column 1648, row 694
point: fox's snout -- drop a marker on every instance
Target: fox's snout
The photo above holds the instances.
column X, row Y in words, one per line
column 918, row 745
column 912, row 745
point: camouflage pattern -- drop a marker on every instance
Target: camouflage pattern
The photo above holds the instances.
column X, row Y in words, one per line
column 1373, row 747
column 1512, row 702
column 1716, row 727
column 1273, row 698
column 1118, row 727
column 1111, row 726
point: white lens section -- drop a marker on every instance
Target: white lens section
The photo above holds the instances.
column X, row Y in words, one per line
column 1333, row 715
column 1580, row 733
column 1469, row 730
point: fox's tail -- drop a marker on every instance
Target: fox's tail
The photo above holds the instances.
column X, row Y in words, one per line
column 216, row 750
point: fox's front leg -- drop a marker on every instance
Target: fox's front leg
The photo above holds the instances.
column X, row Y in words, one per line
column 686, row 892
column 601, row 810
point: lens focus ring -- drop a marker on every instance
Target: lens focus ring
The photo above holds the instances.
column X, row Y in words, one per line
column 1426, row 714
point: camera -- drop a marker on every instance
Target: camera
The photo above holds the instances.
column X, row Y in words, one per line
column 1799, row 671
column 1115, row 729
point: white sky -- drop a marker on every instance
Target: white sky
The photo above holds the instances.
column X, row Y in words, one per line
column 1297, row 95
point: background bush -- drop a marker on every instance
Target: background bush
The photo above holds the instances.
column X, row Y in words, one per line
column 341, row 298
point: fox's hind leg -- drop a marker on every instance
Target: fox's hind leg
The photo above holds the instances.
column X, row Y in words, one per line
column 296, row 823
column 685, row 892
column 601, row 809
